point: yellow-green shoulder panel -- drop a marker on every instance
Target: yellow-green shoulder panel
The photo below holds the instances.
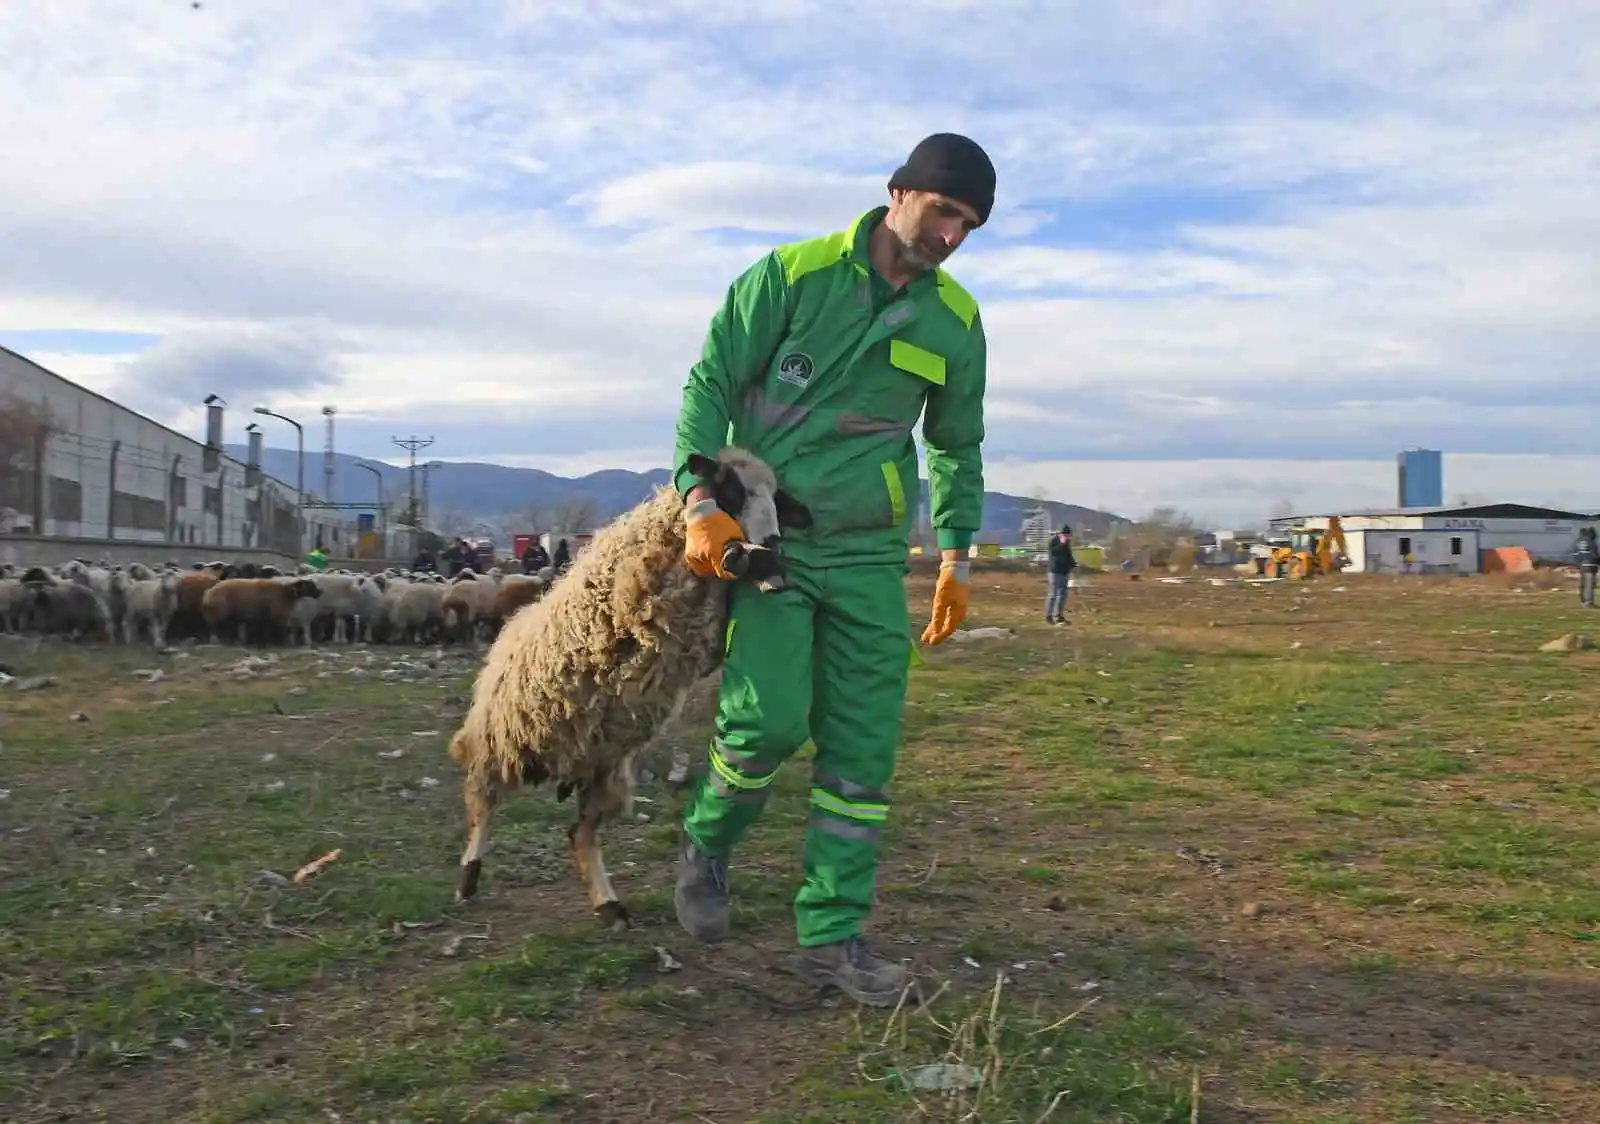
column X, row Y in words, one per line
column 801, row 258
column 957, row 299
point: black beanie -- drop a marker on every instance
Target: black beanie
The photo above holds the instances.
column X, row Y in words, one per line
column 950, row 164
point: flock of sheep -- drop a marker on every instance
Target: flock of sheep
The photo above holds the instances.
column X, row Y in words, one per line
column 582, row 674
column 260, row 605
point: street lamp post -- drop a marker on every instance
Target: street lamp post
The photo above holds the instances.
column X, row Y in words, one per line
column 300, row 480
column 383, row 521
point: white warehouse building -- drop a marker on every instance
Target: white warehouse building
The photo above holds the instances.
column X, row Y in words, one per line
column 74, row 465
column 1453, row 538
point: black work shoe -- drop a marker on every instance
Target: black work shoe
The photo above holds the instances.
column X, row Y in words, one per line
column 702, row 893
column 852, row 967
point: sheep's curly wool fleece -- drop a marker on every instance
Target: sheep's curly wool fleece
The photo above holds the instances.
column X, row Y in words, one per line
column 587, row 675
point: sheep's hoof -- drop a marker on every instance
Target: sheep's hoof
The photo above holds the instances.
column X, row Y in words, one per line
column 614, row 916
column 468, row 885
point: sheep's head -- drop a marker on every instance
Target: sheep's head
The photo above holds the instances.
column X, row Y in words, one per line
column 745, row 488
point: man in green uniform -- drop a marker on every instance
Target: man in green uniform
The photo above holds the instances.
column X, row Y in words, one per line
column 821, row 360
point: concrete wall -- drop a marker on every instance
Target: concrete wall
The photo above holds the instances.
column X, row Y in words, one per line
column 52, row 550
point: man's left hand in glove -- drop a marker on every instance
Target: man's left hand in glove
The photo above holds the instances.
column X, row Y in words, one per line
column 949, row 601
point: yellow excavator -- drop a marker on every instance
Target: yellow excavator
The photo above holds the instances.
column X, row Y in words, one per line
column 1310, row 552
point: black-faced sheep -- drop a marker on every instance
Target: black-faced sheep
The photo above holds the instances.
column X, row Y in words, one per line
column 577, row 683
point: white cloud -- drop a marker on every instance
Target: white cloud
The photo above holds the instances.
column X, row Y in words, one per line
column 1221, row 229
column 766, row 198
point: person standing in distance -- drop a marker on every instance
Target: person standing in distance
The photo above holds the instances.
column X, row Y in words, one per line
column 1062, row 563
column 821, row 359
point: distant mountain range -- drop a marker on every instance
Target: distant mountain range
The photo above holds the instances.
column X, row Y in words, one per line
column 490, row 493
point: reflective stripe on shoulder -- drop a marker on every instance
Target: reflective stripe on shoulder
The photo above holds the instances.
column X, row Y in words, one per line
column 801, row 258
column 957, row 299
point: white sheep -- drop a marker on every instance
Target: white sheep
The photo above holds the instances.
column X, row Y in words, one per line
column 149, row 603
column 577, row 683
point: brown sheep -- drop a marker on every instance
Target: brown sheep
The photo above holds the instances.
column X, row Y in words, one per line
column 257, row 608
column 579, row 682
column 517, row 591
column 187, row 619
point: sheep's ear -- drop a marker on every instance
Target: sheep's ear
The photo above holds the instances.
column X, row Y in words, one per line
column 791, row 512
column 702, row 466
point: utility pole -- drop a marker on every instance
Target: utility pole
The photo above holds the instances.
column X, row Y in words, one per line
column 327, row 457
column 411, row 445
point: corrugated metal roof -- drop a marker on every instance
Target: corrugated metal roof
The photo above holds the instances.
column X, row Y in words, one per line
column 1474, row 511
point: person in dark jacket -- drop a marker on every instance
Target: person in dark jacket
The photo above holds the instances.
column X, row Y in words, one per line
column 425, row 562
column 1587, row 555
column 456, row 557
column 562, row 559
column 534, row 557
column 1062, row 563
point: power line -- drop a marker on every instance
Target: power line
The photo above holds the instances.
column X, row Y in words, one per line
column 412, row 444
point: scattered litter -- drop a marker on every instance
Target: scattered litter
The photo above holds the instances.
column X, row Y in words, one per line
column 428, row 782
column 1172, row 737
column 1020, row 966
column 1252, row 910
column 1570, row 642
column 271, row 878
column 943, row 1076
column 401, row 928
column 424, row 733
column 296, row 692
column 665, row 961
column 1088, row 985
column 991, row 633
column 970, row 962
column 149, row 675
column 274, row 786
column 1204, row 856
column 37, row 682
column 316, row 866
column 452, row 947
column 391, row 754
column 1103, row 673
column 179, row 1044
column 268, row 758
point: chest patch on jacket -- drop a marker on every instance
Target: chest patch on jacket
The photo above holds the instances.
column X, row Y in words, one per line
column 795, row 368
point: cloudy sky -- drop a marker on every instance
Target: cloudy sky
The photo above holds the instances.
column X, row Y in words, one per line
column 1241, row 253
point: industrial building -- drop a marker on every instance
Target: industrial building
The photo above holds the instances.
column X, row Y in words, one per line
column 1460, row 539
column 78, row 471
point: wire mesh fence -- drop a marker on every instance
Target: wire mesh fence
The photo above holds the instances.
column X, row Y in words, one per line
column 55, row 482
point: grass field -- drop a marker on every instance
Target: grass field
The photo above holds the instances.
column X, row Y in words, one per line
column 1327, row 852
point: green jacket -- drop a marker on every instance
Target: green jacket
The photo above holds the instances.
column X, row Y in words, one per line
column 814, row 364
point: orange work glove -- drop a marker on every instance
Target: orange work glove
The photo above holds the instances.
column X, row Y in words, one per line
column 707, row 532
column 949, row 602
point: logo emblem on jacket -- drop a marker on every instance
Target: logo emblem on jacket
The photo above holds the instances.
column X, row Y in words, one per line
column 795, row 368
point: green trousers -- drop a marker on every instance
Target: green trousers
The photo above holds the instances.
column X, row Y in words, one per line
column 827, row 658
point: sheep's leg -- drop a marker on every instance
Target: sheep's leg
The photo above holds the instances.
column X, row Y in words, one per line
column 481, row 795
column 596, row 805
